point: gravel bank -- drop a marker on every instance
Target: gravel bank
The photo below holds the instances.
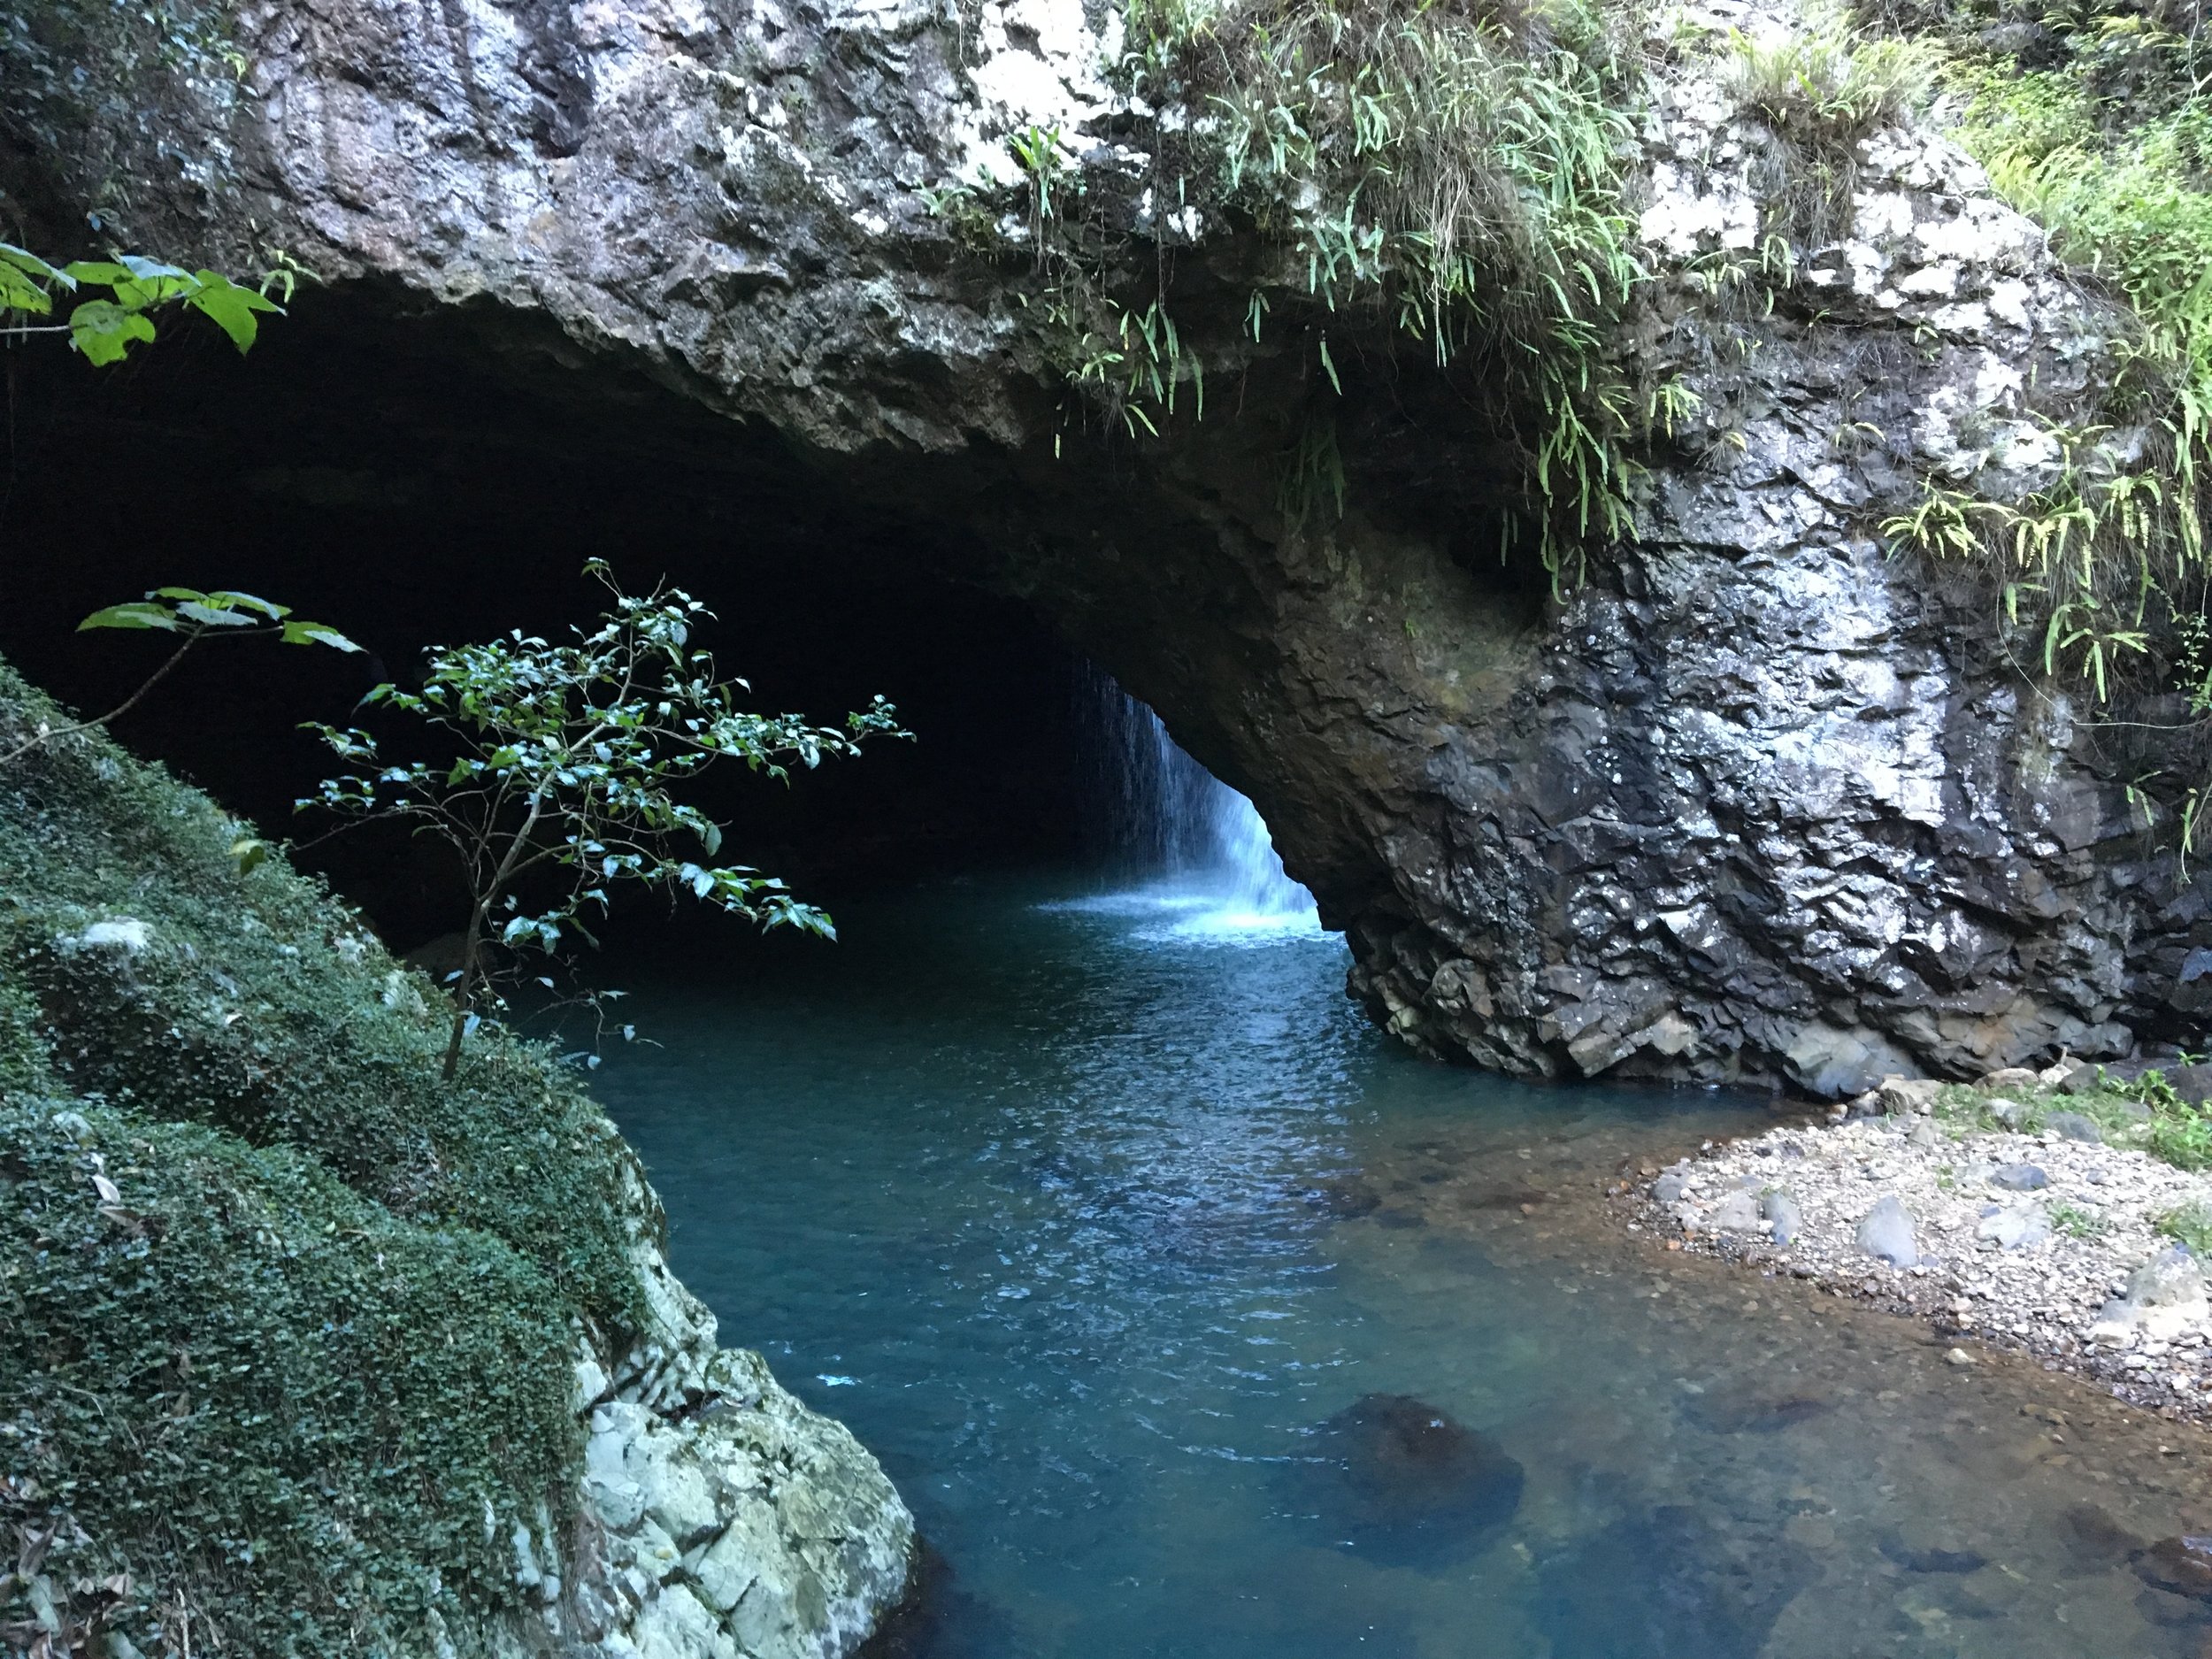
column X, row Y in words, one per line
column 2006, row 1213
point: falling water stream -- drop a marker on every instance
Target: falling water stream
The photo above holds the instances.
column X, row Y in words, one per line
column 1100, row 1218
column 1185, row 844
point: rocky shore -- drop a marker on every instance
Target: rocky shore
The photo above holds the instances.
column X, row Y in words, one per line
column 2048, row 1212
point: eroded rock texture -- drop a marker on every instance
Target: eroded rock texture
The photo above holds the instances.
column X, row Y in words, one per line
column 722, row 1517
column 1757, row 800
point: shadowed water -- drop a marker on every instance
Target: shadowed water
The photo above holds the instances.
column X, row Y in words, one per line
column 1194, row 1319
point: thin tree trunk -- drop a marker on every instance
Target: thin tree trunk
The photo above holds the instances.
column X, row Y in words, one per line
column 461, row 993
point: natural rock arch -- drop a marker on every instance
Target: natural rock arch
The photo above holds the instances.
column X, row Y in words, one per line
column 1755, row 802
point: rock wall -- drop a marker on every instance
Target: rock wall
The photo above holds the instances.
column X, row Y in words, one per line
column 1759, row 800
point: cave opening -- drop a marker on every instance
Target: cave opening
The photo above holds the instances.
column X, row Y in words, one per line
column 417, row 483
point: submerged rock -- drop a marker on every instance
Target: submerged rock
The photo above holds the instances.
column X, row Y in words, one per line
column 1927, row 1558
column 1752, row 1411
column 2182, row 1565
column 1668, row 1585
column 1395, row 1481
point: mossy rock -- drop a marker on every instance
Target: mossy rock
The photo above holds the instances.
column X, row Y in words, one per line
column 290, row 1322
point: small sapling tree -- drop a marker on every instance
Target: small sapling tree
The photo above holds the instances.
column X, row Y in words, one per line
column 567, row 760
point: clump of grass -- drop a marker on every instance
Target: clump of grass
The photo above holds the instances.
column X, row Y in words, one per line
column 1826, row 90
column 1450, row 175
column 2102, row 571
column 2189, row 1227
column 2076, row 1222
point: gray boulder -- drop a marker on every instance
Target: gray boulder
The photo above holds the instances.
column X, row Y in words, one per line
column 2021, row 1178
column 2165, row 1296
column 1783, row 1217
column 2015, row 1226
column 2073, row 1126
column 1739, row 1212
column 1909, row 1095
column 1885, row 1233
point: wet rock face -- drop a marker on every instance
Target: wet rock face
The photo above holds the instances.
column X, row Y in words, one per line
column 1759, row 802
column 1399, row 1482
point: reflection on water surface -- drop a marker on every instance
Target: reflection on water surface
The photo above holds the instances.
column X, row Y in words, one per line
column 1117, row 1242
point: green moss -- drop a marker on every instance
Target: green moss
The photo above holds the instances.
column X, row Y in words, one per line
column 306, row 1368
column 252, row 1387
column 260, row 1006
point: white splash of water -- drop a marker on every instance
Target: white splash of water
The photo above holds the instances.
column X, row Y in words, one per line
column 1200, row 852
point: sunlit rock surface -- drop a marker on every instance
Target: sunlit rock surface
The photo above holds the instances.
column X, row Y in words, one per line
column 1757, row 800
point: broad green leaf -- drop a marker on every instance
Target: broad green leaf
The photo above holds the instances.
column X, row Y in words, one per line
column 249, row 852
column 231, row 307
column 104, row 330
column 97, row 271
column 141, row 294
column 214, row 615
column 148, row 270
column 315, row 634
column 193, row 594
column 18, row 293
column 137, row 614
column 230, row 600
column 24, row 260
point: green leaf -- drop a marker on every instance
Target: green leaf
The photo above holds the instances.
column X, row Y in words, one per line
column 249, row 852
column 226, row 599
column 138, row 295
column 104, row 330
column 137, row 614
column 316, row 633
column 214, row 615
column 97, row 272
column 18, row 293
column 231, row 308
column 24, row 260
column 148, row 270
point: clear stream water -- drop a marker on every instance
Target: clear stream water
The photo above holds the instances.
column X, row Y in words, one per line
column 1085, row 1216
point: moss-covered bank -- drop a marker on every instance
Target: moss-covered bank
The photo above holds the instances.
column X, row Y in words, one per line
column 293, row 1329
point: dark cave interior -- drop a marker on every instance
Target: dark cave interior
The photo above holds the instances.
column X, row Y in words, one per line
column 411, row 485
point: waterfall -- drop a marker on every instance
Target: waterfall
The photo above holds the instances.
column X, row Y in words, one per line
column 1192, row 843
